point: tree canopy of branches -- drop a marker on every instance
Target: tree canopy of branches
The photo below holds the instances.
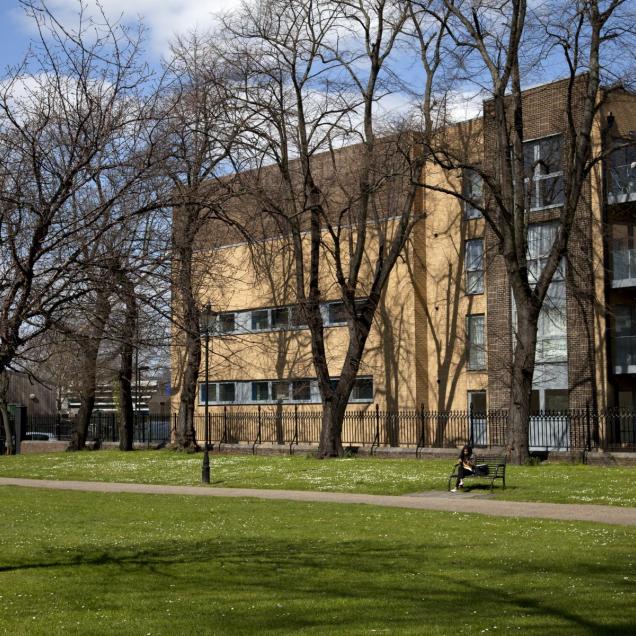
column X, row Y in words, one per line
column 495, row 45
column 74, row 140
column 308, row 77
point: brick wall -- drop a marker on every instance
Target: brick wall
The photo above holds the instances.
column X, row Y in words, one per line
column 544, row 114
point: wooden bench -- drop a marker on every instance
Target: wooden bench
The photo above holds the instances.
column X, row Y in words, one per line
column 487, row 467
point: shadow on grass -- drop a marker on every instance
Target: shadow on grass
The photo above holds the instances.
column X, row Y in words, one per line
column 322, row 582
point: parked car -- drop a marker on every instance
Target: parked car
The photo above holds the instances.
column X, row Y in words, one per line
column 37, row 436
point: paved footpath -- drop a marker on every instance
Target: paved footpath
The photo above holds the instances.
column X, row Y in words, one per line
column 447, row 502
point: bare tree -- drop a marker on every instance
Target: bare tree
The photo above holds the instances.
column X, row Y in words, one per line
column 309, row 76
column 495, row 44
column 73, row 141
column 199, row 135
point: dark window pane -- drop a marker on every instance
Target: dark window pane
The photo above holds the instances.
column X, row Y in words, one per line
column 550, row 155
column 226, row 392
column 550, row 191
column 363, row 389
column 297, row 317
column 337, row 313
column 260, row 391
column 301, row 390
column 211, row 392
column 535, row 404
column 280, row 390
column 260, row 319
column 528, row 159
column 477, row 401
column 226, row 323
column 556, row 400
column 280, row 318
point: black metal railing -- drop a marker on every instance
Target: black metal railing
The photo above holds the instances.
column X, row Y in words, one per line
column 572, row 430
column 103, row 426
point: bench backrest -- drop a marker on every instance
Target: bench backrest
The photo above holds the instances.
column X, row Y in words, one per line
column 492, row 460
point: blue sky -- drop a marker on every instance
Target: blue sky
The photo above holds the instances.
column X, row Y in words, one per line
column 163, row 18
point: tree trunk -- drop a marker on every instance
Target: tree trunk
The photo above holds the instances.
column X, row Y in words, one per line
column 185, row 435
column 186, row 223
column 521, row 383
column 331, row 432
column 126, row 411
column 83, row 418
column 9, row 433
column 127, row 347
column 89, row 350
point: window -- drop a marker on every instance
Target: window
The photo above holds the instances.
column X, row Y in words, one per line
column 552, row 325
column 362, row 390
column 621, row 182
column 544, row 172
column 476, row 342
column 556, row 400
column 297, row 319
column 260, row 391
column 475, row 266
column 207, row 395
column 477, row 401
column 549, row 400
column 625, row 339
column 623, row 252
column 217, row 392
column 541, row 237
column 473, row 189
column 260, row 320
column 226, row 392
column 337, row 314
column 280, row 391
column 226, row 323
column 280, row 318
column 301, row 391
column 304, row 390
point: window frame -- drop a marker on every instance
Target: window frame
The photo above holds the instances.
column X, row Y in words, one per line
column 470, row 178
column 264, row 313
column 220, row 327
column 470, row 269
column 473, row 346
column 534, row 177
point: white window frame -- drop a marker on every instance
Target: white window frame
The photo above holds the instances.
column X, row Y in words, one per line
column 476, row 266
column 472, row 188
column 472, row 345
column 536, row 179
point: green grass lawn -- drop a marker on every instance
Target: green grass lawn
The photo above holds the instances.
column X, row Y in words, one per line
column 89, row 563
column 564, row 483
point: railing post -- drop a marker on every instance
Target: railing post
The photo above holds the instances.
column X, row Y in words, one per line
column 376, row 440
column 588, row 443
column 295, row 438
column 257, row 440
column 421, row 442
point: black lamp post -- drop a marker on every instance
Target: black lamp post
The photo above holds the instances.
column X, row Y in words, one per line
column 206, row 317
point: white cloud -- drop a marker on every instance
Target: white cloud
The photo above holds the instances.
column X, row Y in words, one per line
column 163, row 18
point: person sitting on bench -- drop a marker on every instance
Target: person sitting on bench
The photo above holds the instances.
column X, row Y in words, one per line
column 465, row 466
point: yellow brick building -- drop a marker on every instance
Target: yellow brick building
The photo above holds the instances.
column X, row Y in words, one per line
column 443, row 332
